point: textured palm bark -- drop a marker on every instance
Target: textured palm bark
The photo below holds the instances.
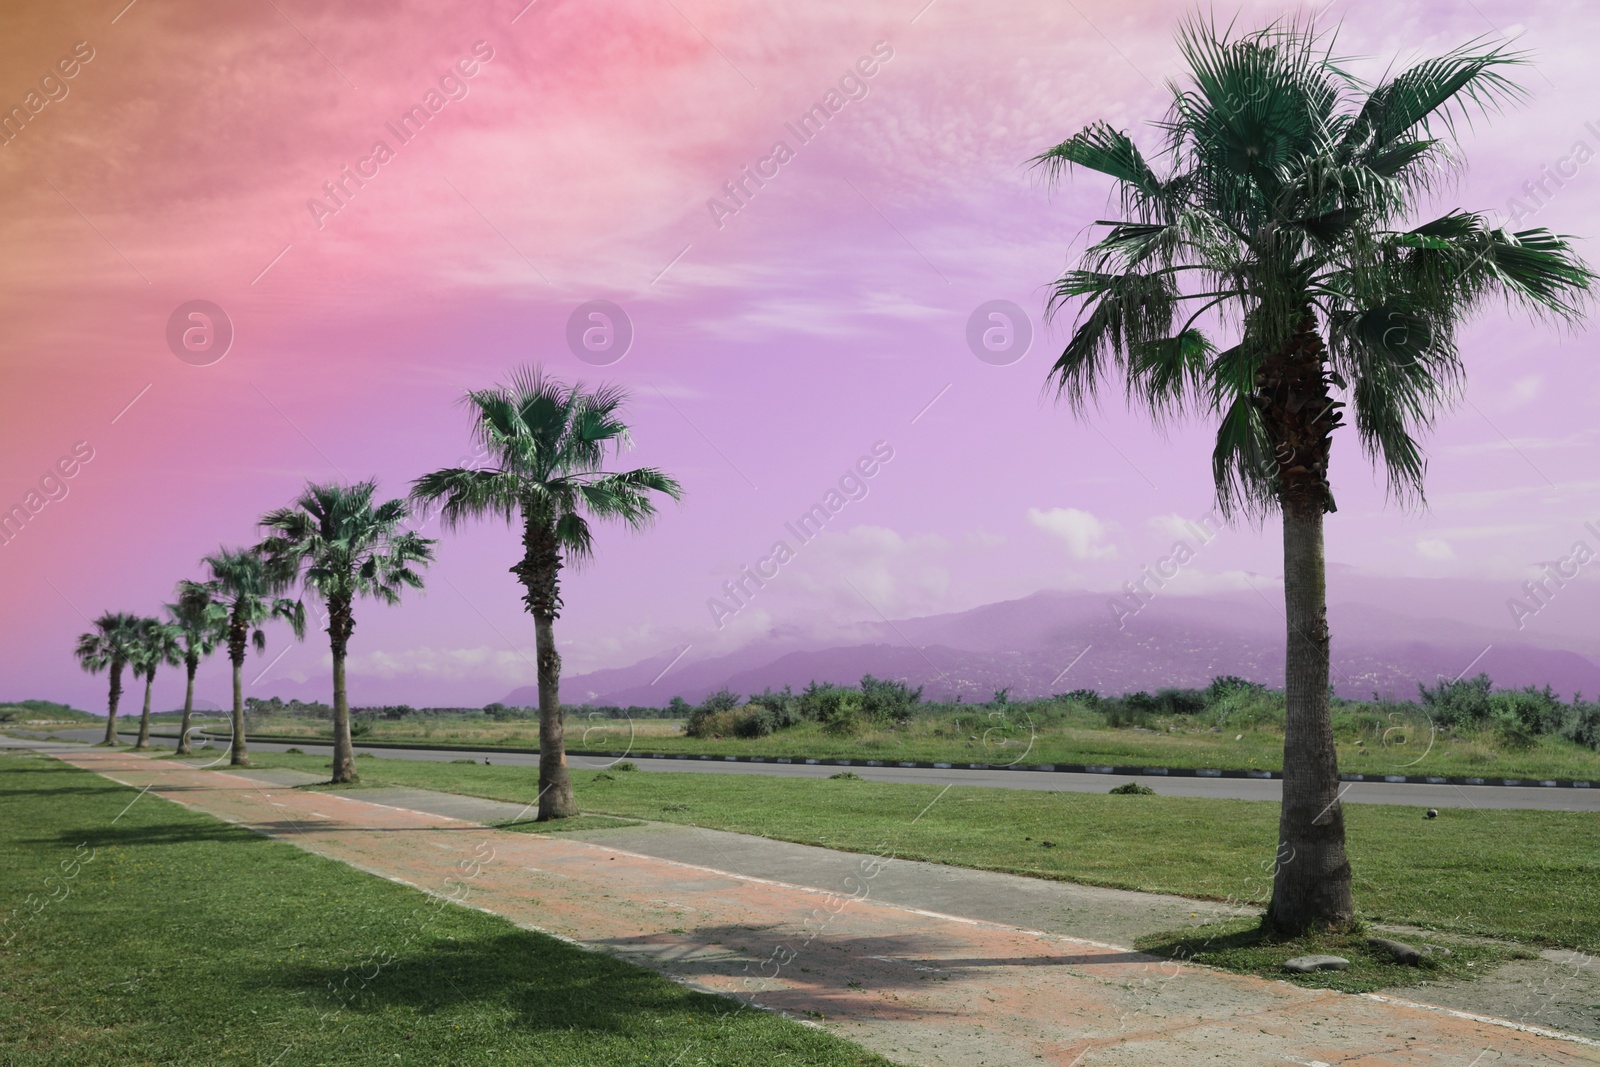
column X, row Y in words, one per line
column 115, row 699
column 238, row 638
column 144, row 716
column 190, row 665
column 341, row 622
column 1311, row 881
column 540, row 574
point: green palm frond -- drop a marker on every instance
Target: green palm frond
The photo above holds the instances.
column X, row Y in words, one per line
column 1287, row 195
column 545, row 444
column 343, row 546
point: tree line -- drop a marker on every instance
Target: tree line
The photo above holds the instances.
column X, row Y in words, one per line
column 544, row 444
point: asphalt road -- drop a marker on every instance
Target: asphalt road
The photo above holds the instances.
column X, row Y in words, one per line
column 1404, row 793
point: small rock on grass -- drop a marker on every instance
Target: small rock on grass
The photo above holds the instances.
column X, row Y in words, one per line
column 1308, row 964
column 1399, row 950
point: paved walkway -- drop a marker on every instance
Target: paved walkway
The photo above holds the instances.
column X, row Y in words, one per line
column 916, row 984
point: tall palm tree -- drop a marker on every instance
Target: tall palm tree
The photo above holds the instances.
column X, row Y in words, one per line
column 201, row 625
column 249, row 587
column 156, row 645
column 108, row 646
column 1284, row 217
column 546, row 442
column 348, row 549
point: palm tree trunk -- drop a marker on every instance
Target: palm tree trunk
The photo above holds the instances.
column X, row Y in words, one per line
column 144, row 716
column 340, row 624
column 239, row 756
column 540, row 574
column 555, row 785
column 112, row 702
column 190, row 664
column 1311, row 887
column 1311, row 880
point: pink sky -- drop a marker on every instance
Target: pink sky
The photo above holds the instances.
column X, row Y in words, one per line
column 771, row 351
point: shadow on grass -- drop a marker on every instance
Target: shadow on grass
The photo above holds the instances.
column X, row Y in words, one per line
column 175, row 833
column 537, row 982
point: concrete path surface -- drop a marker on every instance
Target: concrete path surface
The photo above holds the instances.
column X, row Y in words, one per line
column 918, row 985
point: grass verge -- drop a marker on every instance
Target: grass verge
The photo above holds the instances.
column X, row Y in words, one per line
column 141, row 932
column 1526, row 875
column 1244, row 946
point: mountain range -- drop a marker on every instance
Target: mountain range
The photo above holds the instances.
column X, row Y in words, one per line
column 1389, row 636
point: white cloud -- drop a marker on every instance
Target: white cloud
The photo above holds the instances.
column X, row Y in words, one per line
column 1083, row 533
column 500, row 664
column 1435, row 549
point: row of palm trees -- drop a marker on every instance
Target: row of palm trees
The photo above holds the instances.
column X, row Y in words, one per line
column 544, row 445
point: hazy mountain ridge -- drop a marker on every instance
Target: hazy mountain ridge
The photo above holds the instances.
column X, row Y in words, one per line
column 1025, row 645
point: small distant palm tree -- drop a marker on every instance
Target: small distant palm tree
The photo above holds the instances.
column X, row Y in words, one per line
column 348, row 549
column 546, row 442
column 201, row 625
column 1289, row 195
column 249, row 588
column 156, row 645
column 109, row 646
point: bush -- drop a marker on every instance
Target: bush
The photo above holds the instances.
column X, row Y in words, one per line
column 884, row 701
column 845, row 720
column 755, row 721
column 820, row 702
column 1581, row 723
column 784, row 706
column 712, row 717
column 1458, row 704
column 711, row 723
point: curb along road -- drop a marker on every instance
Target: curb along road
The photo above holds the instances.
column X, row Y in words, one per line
column 1048, row 768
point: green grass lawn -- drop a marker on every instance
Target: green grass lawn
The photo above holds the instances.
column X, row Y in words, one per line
column 141, row 932
column 1404, row 746
column 1528, row 875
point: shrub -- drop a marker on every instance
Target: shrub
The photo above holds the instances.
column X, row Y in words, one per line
column 1224, row 685
column 711, row 723
column 1581, row 723
column 1462, row 703
column 820, row 701
column 713, row 716
column 884, row 701
column 755, row 721
column 845, row 719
